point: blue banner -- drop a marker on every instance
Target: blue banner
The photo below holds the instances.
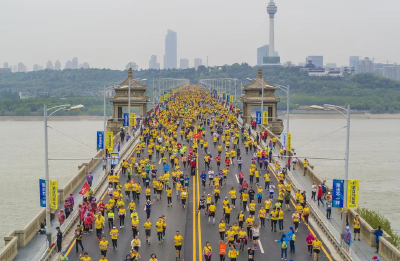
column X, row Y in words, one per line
column 227, row 97
column 100, row 140
column 337, row 193
column 126, row 119
column 42, row 192
column 223, row 96
column 258, row 117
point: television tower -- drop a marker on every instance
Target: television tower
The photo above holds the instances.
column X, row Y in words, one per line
column 271, row 10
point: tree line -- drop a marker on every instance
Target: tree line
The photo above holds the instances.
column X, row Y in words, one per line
column 362, row 91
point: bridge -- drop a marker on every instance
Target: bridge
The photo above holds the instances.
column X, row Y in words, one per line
column 196, row 228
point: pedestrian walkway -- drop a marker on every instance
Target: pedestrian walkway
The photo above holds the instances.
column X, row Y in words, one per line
column 38, row 244
column 362, row 250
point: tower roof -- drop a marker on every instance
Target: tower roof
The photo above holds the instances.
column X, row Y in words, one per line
column 258, row 83
column 130, row 81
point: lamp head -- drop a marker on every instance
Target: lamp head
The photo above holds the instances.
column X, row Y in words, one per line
column 317, row 107
column 76, row 107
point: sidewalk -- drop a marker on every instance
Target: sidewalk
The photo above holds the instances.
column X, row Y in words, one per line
column 37, row 243
column 362, row 250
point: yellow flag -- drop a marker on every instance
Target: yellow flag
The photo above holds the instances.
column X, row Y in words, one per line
column 132, row 120
column 54, row 194
column 352, row 193
column 289, row 142
column 265, row 118
column 109, row 140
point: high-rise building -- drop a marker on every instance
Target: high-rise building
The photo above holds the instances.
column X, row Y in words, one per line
column 5, row 65
column 153, row 62
column 75, row 64
column 37, row 67
column 184, row 64
column 365, row 66
column 261, row 53
column 84, row 65
column 353, row 62
column 57, row 65
column 15, row 68
column 21, row 67
column 171, row 50
column 49, row 65
column 68, row 65
column 392, row 71
column 317, row 60
column 197, row 62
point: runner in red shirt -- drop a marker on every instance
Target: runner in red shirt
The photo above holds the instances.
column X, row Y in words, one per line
column 218, row 160
column 227, row 162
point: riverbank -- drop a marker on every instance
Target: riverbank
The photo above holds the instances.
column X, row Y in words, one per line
column 53, row 118
column 293, row 115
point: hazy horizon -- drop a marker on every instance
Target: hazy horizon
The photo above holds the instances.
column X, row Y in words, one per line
column 111, row 34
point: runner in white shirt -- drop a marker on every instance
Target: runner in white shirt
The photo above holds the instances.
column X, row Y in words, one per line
column 313, row 191
column 271, row 190
column 210, row 177
column 294, row 161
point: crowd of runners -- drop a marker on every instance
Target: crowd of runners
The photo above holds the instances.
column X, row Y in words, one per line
column 174, row 136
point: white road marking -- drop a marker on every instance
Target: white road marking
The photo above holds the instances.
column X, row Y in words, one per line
column 160, row 161
column 237, row 178
column 144, row 207
column 261, row 247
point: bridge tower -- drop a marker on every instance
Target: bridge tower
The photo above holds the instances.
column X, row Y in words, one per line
column 120, row 100
column 252, row 98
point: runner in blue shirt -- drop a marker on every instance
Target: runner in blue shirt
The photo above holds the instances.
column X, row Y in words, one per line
column 202, row 205
column 203, row 177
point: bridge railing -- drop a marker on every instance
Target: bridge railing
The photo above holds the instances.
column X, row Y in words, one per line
column 319, row 217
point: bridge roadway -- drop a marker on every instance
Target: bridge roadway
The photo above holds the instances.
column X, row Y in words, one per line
column 195, row 228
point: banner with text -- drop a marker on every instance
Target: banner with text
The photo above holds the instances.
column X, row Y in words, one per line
column 53, row 194
column 109, row 140
column 284, row 140
column 42, row 192
column 126, row 119
column 258, row 117
column 265, row 118
column 289, row 142
column 114, row 158
column 352, row 193
column 100, row 140
column 132, row 121
column 338, row 193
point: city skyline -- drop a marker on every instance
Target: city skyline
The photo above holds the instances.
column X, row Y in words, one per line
column 56, row 40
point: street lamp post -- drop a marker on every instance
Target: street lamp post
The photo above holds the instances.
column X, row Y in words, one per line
column 286, row 89
column 340, row 110
column 55, row 109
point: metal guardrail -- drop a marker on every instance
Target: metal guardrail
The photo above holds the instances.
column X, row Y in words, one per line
column 317, row 213
column 42, row 252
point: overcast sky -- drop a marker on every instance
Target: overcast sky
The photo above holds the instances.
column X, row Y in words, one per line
column 109, row 34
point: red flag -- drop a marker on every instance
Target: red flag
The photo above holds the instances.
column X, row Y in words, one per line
column 84, row 188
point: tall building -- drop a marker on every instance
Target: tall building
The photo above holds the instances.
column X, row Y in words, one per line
column 5, row 65
column 22, row 67
column 68, row 65
column 392, row 71
column 15, row 68
column 49, row 65
column 365, row 66
column 271, row 10
column 171, row 50
column 57, row 65
column 153, row 62
column 37, row 67
column 261, row 53
column 353, row 62
column 317, row 60
column 75, row 64
column 84, row 65
column 197, row 62
column 184, row 64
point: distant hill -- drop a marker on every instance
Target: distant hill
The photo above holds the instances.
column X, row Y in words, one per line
column 361, row 91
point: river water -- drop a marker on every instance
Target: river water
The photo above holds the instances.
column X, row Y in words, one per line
column 374, row 151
